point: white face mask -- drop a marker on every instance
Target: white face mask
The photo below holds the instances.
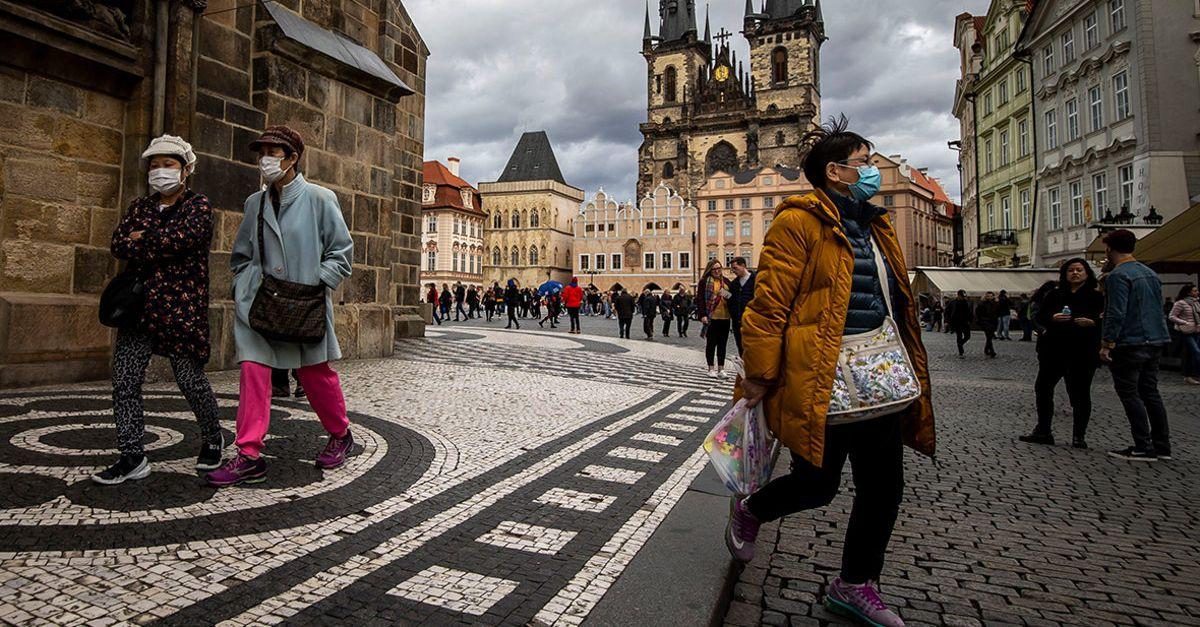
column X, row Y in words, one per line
column 165, row 180
column 269, row 166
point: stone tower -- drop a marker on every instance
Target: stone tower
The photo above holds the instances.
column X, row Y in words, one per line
column 708, row 112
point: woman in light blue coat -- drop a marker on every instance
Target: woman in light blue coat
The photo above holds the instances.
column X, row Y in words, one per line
column 304, row 240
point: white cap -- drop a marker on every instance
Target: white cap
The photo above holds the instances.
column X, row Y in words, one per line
column 172, row 146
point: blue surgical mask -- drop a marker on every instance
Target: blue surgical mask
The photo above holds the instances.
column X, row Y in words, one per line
column 869, row 181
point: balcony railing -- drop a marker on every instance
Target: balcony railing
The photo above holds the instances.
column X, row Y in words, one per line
column 999, row 237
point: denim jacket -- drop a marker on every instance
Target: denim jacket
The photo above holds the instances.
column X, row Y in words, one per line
column 1133, row 310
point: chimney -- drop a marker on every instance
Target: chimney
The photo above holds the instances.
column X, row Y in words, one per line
column 452, row 164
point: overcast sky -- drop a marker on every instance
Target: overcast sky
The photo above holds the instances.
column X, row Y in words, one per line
column 574, row 69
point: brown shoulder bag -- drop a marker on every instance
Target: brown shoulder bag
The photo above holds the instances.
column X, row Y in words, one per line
column 282, row 310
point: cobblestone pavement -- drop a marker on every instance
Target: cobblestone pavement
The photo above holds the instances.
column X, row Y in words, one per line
column 499, row 478
column 1009, row 533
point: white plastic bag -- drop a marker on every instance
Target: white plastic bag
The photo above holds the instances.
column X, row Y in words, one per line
column 741, row 449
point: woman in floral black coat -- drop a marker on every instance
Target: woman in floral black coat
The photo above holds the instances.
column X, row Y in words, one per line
column 165, row 238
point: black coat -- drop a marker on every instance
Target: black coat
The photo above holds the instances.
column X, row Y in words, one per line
column 986, row 314
column 742, row 295
column 959, row 315
column 624, row 304
column 648, row 305
column 1067, row 339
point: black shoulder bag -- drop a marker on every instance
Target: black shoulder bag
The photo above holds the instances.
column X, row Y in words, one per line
column 123, row 300
column 282, row 310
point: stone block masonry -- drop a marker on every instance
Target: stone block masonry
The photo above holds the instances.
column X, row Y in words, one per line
column 76, row 110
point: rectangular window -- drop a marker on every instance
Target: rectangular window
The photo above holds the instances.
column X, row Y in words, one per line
column 1091, row 31
column 649, row 261
column 585, row 262
column 1048, row 60
column 745, row 203
column 711, row 228
column 768, row 202
column 1055, row 208
column 988, row 159
column 712, row 205
column 685, row 261
column 667, row 261
column 1099, row 193
column 589, row 228
column 728, row 204
column 1117, row 14
column 1052, row 129
column 729, row 255
column 1072, row 119
column 1068, row 44
column 1003, row 147
column 746, row 229
column 1025, row 208
column 675, row 224
column 1125, row 178
column 991, row 216
column 649, row 225
column 1006, row 213
column 729, row 232
column 1096, row 98
column 987, row 103
column 431, row 261
column 1023, row 137
column 712, row 254
column 1076, row 189
column 766, row 225
column 1004, row 91
column 601, row 261
column 889, row 201
column 1121, row 95
column 1020, row 81
column 617, row 258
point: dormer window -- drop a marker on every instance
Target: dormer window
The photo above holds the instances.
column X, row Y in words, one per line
column 466, row 198
column 428, row 193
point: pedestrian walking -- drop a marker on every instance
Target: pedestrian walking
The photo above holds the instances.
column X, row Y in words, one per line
column 164, row 238
column 572, row 296
column 987, row 314
column 792, row 348
column 1023, row 323
column 742, row 287
column 460, row 299
column 447, row 301
column 959, row 317
column 527, row 298
column 472, row 303
column 489, row 303
column 292, row 237
column 553, row 303
column 938, row 312
column 1185, row 316
column 432, row 297
column 624, row 306
column 666, row 311
column 1068, row 350
column 512, row 301
column 648, row 307
column 712, row 305
column 1132, row 336
column 1004, row 316
column 682, row 303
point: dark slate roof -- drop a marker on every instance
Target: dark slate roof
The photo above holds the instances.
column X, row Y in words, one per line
column 676, row 24
column 532, row 160
column 777, row 9
column 748, row 176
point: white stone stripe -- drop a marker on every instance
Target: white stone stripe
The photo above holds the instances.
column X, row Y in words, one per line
column 455, row 590
column 675, row 426
column 608, row 473
column 642, row 455
column 525, row 537
column 576, row 600
column 689, row 417
column 339, row 577
column 657, row 439
column 710, row 403
column 576, row 500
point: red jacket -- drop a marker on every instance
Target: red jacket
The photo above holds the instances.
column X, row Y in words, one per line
column 572, row 296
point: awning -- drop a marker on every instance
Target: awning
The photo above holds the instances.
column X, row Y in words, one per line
column 946, row 282
column 1175, row 246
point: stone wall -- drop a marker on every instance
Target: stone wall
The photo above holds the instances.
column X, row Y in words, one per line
column 75, row 113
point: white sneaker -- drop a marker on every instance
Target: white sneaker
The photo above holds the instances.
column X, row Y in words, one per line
column 721, row 374
column 1191, row 380
column 712, row 373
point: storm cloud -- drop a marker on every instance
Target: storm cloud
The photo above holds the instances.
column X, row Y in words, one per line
column 574, row 69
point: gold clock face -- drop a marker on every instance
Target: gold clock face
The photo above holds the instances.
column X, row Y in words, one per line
column 722, row 74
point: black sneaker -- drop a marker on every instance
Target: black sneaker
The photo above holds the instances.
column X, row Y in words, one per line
column 300, row 393
column 129, row 467
column 1163, row 455
column 279, row 392
column 210, row 453
column 1078, row 442
column 1133, row 455
column 1038, row 438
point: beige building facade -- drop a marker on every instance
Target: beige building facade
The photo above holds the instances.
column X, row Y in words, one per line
column 530, row 209
column 452, row 227
column 650, row 245
column 737, row 209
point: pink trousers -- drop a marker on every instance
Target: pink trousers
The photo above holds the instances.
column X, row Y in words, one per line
column 320, row 383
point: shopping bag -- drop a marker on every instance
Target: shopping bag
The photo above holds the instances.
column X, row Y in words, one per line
column 741, row 449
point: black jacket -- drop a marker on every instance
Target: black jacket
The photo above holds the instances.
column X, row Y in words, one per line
column 683, row 305
column 648, row 305
column 512, row 296
column 867, row 305
column 1067, row 339
column 986, row 314
column 959, row 315
column 742, row 295
column 624, row 304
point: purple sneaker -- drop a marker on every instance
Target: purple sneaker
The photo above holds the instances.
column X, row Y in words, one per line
column 861, row 603
column 240, row 469
column 741, row 532
column 335, row 452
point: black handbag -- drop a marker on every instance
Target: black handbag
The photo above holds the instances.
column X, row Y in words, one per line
column 282, row 310
column 123, row 300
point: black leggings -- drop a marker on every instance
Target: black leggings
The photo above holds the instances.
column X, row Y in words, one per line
column 573, row 312
column 718, row 337
column 1079, row 390
column 876, row 457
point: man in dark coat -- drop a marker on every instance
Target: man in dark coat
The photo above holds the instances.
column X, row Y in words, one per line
column 743, row 291
column 987, row 314
column 648, row 306
column 460, row 297
column 512, row 300
column 624, row 305
column 958, row 319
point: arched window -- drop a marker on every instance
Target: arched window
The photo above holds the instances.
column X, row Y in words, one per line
column 779, row 65
column 721, row 158
column 496, row 256
column 516, row 220
column 671, row 79
column 515, row 257
column 780, row 138
column 497, row 221
column 533, row 218
column 668, row 170
column 533, row 255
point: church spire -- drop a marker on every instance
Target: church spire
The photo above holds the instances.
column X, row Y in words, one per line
column 707, row 28
column 749, row 8
column 820, row 19
column 646, row 35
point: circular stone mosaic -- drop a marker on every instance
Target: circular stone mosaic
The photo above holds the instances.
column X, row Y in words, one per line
column 51, row 442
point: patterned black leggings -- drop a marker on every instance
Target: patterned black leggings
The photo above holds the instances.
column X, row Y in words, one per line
column 130, row 360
